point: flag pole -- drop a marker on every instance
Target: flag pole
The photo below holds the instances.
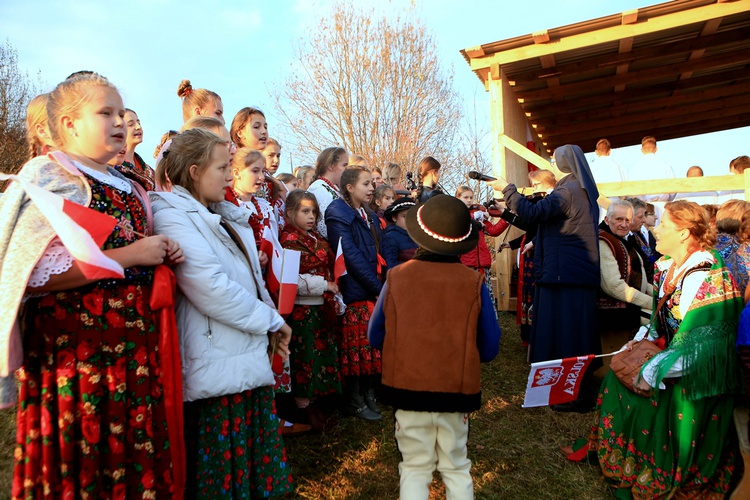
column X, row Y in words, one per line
column 609, row 354
column 281, row 277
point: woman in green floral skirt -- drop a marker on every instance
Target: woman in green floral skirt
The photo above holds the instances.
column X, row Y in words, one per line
column 678, row 442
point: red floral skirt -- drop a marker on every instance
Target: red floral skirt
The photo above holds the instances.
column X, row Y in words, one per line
column 356, row 354
column 91, row 416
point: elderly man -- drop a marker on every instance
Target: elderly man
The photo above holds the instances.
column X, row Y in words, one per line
column 624, row 288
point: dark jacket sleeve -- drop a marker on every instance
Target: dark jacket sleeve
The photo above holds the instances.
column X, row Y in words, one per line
column 376, row 326
column 515, row 243
column 391, row 252
column 547, row 209
column 488, row 329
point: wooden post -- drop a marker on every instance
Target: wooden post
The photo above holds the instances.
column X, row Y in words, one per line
column 503, row 261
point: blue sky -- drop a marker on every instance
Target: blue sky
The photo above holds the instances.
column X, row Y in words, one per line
column 242, row 49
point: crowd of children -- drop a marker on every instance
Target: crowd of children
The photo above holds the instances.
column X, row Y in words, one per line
column 123, row 395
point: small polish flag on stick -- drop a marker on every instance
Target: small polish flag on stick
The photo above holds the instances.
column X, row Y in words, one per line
column 270, row 246
column 289, row 280
column 339, row 267
column 555, row 382
column 82, row 230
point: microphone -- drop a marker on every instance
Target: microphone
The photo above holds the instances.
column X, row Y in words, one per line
column 473, row 174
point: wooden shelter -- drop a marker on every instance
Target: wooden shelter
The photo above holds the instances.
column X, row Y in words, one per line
column 669, row 70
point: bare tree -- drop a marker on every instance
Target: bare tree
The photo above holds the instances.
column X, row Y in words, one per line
column 16, row 90
column 372, row 84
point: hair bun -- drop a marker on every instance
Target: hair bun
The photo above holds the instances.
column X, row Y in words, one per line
column 184, row 89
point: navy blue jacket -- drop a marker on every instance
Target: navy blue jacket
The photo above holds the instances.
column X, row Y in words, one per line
column 566, row 249
column 361, row 281
column 398, row 241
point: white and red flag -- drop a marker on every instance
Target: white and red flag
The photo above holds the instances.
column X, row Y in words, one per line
column 289, row 278
column 555, row 382
column 82, row 230
column 339, row 267
column 282, row 273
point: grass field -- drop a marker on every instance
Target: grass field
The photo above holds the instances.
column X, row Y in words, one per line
column 515, row 452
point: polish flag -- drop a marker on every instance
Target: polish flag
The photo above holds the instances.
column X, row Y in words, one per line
column 555, row 382
column 82, row 230
column 289, row 278
column 270, row 246
column 339, row 267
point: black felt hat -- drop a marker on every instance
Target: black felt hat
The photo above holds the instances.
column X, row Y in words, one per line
column 397, row 206
column 442, row 225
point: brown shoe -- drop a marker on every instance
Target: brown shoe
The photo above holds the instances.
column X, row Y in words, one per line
column 294, row 429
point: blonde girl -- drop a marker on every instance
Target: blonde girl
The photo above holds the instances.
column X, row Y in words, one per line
column 199, row 102
column 304, row 175
column 272, row 152
column 314, row 352
column 392, row 176
column 92, row 420
column 234, row 449
column 37, row 130
column 355, row 226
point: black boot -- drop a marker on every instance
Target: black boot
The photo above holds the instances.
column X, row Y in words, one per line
column 369, row 393
column 355, row 403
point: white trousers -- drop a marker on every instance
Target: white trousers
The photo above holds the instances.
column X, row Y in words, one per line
column 427, row 439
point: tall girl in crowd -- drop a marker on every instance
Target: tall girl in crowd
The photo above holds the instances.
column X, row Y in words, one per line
column 429, row 175
column 133, row 167
column 329, row 166
column 250, row 130
column 199, row 102
column 314, row 353
column 480, row 258
column 92, row 414
column 37, row 129
column 351, row 221
column 224, row 318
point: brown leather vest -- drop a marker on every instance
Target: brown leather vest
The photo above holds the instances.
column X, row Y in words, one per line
column 432, row 311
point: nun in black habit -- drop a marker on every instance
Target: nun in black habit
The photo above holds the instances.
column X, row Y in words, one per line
column 566, row 264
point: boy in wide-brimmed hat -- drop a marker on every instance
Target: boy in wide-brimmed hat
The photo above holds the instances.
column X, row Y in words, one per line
column 402, row 247
column 434, row 323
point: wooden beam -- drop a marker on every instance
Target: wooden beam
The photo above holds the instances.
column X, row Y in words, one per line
column 658, row 116
column 607, row 99
column 523, row 152
column 626, row 45
column 731, row 60
column 626, row 109
column 587, row 141
column 474, row 52
column 596, row 63
column 709, row 28
column 673, row 186
column 614, row 33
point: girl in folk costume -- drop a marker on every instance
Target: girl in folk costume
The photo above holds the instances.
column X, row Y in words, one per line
column 350, row 221
column 329, row 166
column 224, row 316
column 314, row 359
column 248, row 179
column 480, row 258
column 199, row 102
column 133, row 167
column 250, row 130
column 92, row 418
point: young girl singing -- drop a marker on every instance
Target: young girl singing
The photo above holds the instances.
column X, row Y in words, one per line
column 350, row 221
column 314, row 353
column 92, row 413
column 224, row 317
column 382, row 199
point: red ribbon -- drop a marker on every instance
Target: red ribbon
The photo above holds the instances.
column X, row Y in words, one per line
column 381, row 264
column 162, row 303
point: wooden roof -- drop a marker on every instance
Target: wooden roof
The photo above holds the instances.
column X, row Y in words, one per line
column 669, row 70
